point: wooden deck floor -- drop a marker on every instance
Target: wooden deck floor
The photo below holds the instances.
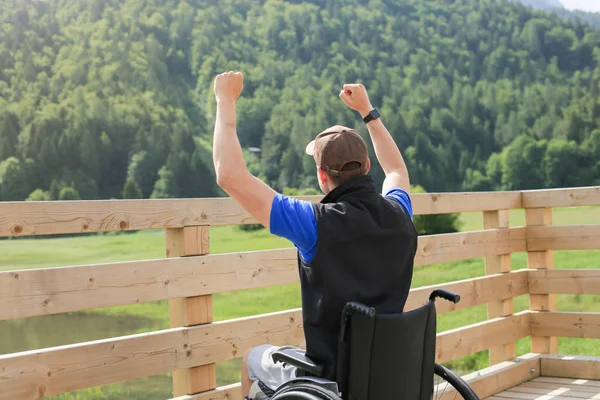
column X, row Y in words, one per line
column 545, row 388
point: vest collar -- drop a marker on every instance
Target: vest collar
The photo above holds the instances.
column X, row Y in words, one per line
column 362, row 184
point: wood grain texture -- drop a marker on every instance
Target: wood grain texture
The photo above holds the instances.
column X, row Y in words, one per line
column 191, row 311
column 567, row 197
column 473, row 291
column 553, row 392
column 38, row 373
column 543, row 260
column 494, row 264
column 49, row 291
column 477, row 337
column 566, row 324
column 45, row 218
column 53, row 217
column 55, row 290
column 595, row 390
column 58, row 217
column 497, row 378
column 443, row 203
column 569, row 237
column 228, row 392
column 553, row 386
column 569, row 381
column 465, row 245
column 564, row 281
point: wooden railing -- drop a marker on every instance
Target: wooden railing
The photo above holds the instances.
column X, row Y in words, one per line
column 190, row 275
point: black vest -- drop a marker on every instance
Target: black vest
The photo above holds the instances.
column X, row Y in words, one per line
column 365, row 250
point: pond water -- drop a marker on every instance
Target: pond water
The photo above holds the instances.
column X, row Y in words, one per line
column 56, row 330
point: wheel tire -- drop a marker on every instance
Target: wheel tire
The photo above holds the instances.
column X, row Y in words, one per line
column 456, row 382
column 304, row 391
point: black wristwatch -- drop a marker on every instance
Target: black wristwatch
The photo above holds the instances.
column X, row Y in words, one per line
column 373, row 115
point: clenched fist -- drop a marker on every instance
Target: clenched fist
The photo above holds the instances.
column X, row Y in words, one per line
column 229, row 86
column 355, row 96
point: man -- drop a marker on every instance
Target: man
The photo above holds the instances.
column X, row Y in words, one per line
column 355, row 245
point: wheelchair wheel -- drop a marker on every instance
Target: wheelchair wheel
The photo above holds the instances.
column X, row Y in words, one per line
column 449, row 378
column 304, row 391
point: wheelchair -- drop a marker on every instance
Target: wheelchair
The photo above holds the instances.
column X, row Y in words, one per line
column 380, row 357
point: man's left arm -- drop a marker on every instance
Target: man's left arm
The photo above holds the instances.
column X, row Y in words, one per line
column 233, row 176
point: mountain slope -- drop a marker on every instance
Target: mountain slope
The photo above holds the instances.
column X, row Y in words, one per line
column 97, row 93
column 542, row 4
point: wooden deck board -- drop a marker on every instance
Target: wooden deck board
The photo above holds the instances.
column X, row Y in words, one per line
column 546, row 388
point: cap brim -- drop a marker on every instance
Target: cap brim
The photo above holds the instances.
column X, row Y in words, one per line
column 310, row 148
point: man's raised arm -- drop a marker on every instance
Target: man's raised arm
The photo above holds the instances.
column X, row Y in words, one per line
column 396, row 174
column 233, row 176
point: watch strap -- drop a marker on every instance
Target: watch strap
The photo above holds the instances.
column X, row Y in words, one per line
column 373, row 115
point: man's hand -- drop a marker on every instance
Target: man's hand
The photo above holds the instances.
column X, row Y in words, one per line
column 229, row 86
column 355, row 96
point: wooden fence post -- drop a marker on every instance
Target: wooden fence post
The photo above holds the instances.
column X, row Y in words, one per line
column 496, row 264
column 183, row 242
column 541, row 260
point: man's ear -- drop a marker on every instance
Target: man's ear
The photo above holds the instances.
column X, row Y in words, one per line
column 368, row 165
column 322, row 175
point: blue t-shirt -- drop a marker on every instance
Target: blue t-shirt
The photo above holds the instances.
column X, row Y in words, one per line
column 295, row 220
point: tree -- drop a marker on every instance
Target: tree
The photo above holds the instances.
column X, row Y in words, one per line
column 9, row 134
column 132, row 191
column 436, row 223
column 96, row 94
column 14, row 183
column 143, row 170
column 38, row 195
column 166, row 186
column 68, row 193
column 522, row 166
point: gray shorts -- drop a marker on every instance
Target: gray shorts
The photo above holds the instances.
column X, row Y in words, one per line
column 262, row 368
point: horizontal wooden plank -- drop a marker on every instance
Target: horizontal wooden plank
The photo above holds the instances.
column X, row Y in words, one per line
column 473, row 291
column 436, row 249
column 55, row 290
column 481, row 336
column 552, row 392
column 570, row 237
column 579, row 368
column 492, row 380
column 47, row 291
column 567, row 197
column 228, row 392
column 567, row 381
column 564, row 281
column 38, row 373
column 511, row 394
column 443, row 203
column 556, row 386
column 565, row 324
column 62, row 217
column 66, row 217
column 45, row 218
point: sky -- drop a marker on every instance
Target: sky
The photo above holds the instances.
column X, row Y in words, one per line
column 585, row 5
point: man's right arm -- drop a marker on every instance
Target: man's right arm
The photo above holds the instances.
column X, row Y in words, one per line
column 396, row 174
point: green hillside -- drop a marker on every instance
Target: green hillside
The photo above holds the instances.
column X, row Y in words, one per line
column 479, row 94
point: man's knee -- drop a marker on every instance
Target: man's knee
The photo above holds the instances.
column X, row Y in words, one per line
column 245, row 358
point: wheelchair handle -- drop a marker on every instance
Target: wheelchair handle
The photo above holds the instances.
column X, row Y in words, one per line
column 357, row 308
column 444, row 294
column 350, row 309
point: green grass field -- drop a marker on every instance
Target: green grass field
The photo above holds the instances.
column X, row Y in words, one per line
column 47, row 331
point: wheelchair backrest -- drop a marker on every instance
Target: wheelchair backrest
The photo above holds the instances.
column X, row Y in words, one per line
column 391, row 356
